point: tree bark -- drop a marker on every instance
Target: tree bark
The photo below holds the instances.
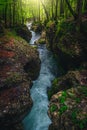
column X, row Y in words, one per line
column 10, row 15
column 52, row 3
column 79, row 13
column 56, row 9
column 13, row 12
column 39, row 9
column 71, row 10
column 47, row 15
column 6, row 6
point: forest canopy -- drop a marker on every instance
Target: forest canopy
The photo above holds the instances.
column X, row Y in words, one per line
column 18, row 11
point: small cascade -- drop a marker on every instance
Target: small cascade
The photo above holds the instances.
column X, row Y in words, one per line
column 38, row 118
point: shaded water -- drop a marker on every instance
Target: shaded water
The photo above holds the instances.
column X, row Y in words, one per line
column 38, row 118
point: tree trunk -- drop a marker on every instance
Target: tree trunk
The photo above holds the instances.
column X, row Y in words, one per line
column 39, row 9
column 71, row 10
column 79, row 13
column 61, row 7
column 56, row 10
column 5, row 16
column 47, row 15
column 10, row 16
column 86, row 5
column 52, row 3
column 13, row 13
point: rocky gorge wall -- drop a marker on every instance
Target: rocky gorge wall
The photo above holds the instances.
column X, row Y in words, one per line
column 68, row 94
column 19, row 65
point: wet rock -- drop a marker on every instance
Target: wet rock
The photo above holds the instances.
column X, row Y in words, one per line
column 23, row 31
column 71, row 50
column 71, row 79
column 42, row 39
column 37, row 27
column 68, row 104
column 15, row 82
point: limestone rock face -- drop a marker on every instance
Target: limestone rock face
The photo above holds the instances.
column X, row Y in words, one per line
column 68, row 106
column 15, row 83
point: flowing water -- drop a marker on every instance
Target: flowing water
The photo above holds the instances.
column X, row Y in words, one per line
column 38, row 118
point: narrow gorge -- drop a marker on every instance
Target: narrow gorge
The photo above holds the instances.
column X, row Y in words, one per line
column 38, row 118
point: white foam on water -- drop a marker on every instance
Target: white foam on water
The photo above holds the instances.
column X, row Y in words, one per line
column 38, row 119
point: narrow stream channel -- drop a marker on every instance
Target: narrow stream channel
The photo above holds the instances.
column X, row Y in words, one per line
column 38, row 118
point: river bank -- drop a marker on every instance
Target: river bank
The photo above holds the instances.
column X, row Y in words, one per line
column 17, row 60
column 68, row 109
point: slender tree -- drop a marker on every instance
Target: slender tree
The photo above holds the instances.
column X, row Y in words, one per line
column 71, row 10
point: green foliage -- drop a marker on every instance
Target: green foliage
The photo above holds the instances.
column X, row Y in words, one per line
column 81, row 123
column 63, row 109
column 77, row 100
column 65, row 27
column 83, row 90
column 55, row 81
column 53, row 108
column 37, row 26
column 50, row 24
column 62, row 98
column 53, row 89
column 42, row 41
column 23, row 32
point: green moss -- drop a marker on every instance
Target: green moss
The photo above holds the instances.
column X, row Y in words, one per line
column 14, row 78
column 77, row 100
column 81, row 123
column 83, row 90
column 42, row 41
column 55, row 81
column 53, row 108
column 67, row 43
column 53, row 89
column 64, row 27
column 50, row 24
column 50, row 93
column 11, row 33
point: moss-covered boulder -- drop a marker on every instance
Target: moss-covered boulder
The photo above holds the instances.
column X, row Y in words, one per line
column 68, row 98
column 72, row 78
column 16, row 81
column 68, row 109
column 42, row 39
column 67, row 43
column 71, row 50
column 63, row 83
column 37, row 27
column 23, row 32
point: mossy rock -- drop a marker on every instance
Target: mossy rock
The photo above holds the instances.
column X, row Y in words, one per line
column 71, row 111
column 23, row 31
column 41, row 41
column 63, row 83
column 37, row 27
